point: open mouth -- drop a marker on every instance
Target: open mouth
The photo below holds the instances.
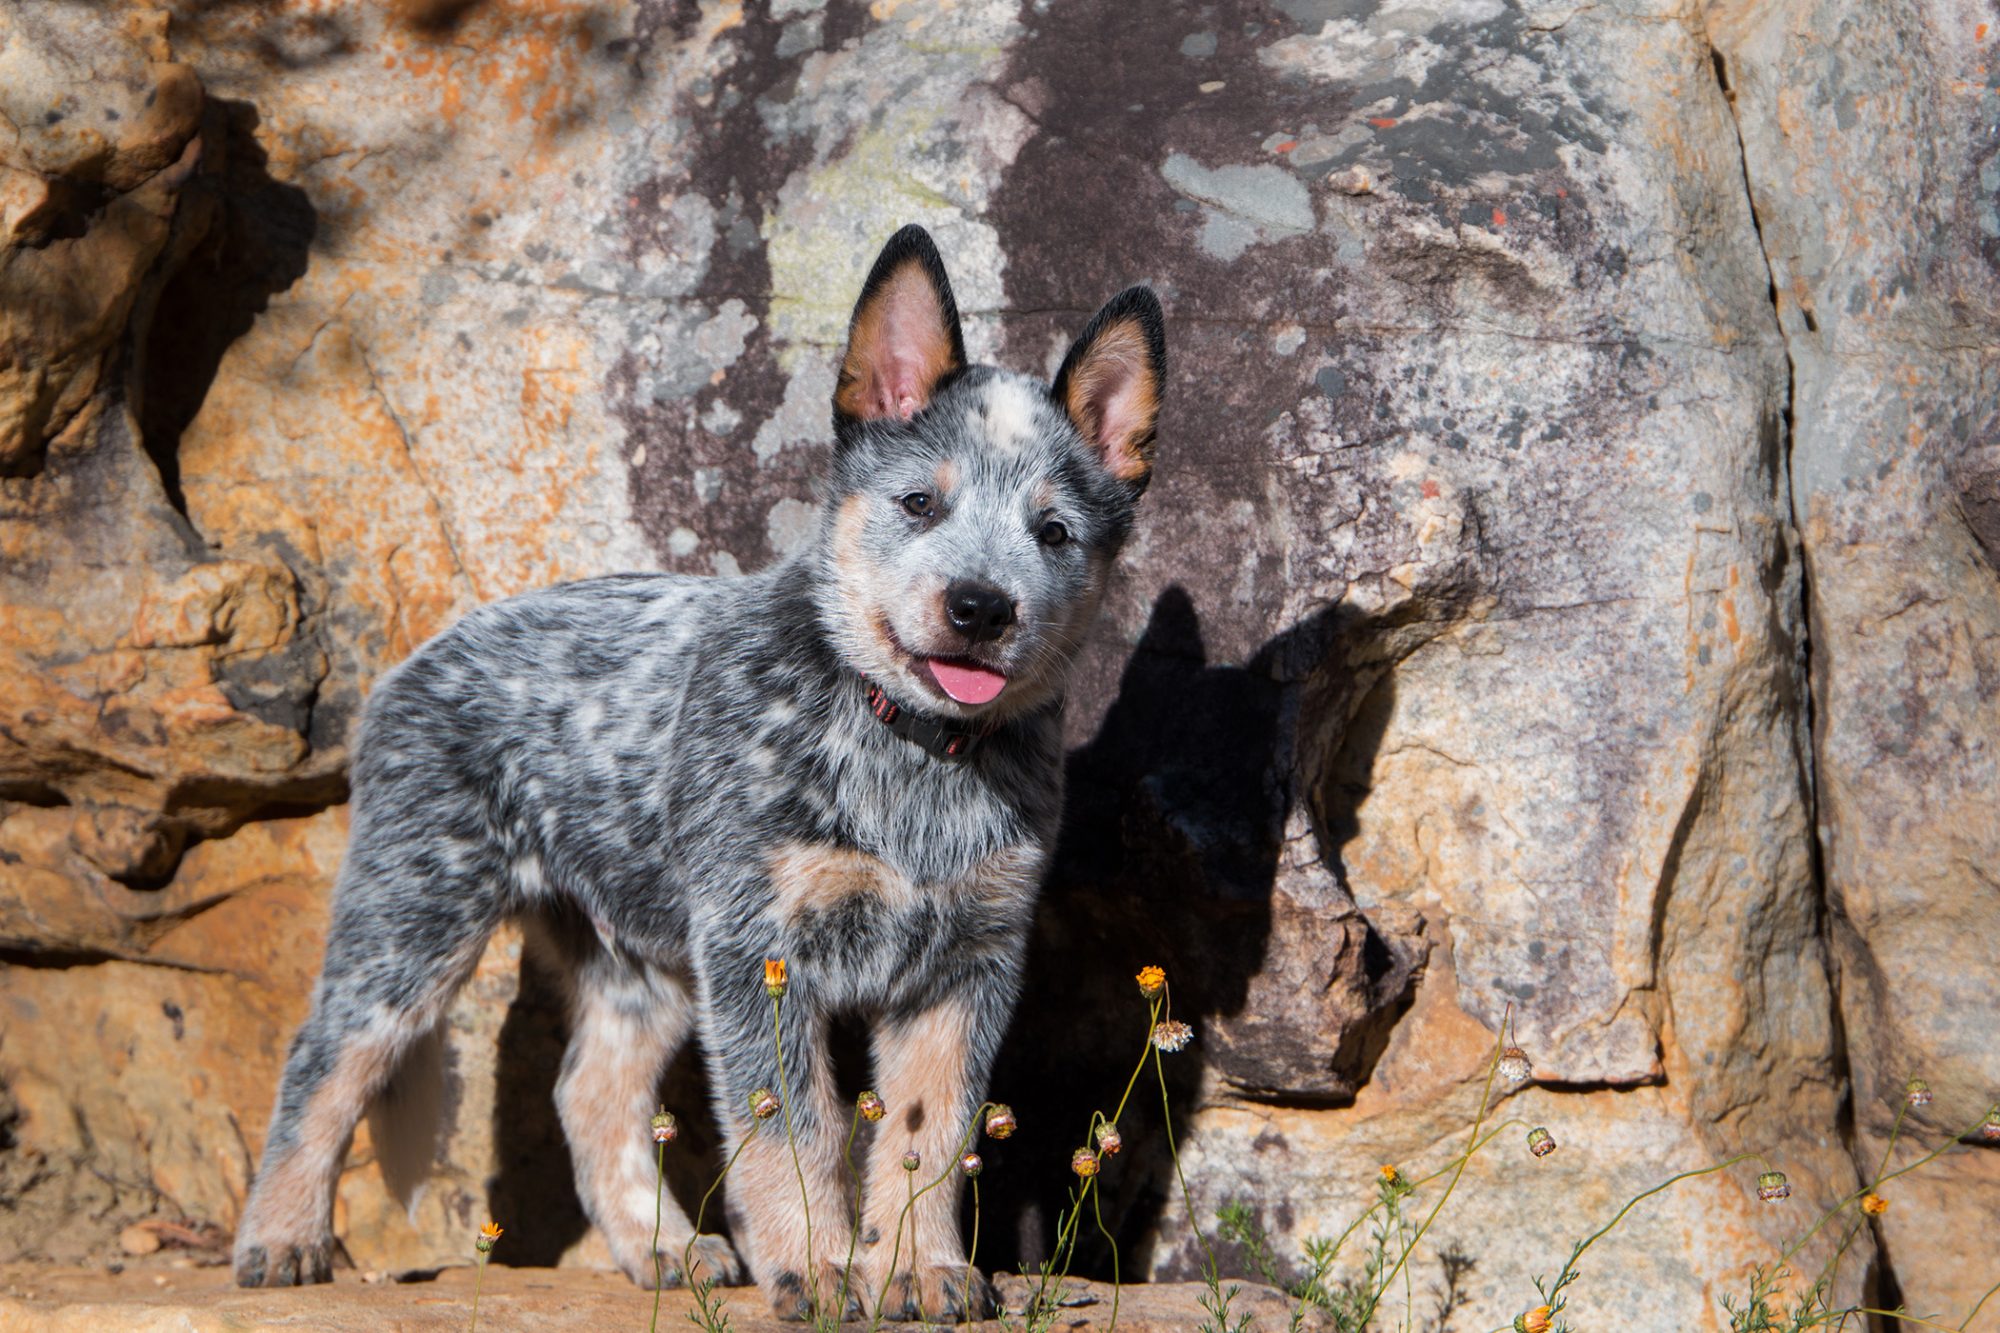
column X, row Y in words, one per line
column 966, row 681
column 963, row 680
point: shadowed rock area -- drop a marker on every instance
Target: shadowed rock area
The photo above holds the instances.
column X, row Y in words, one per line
column 1569, row 594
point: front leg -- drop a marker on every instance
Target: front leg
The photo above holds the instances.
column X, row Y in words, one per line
column 931, row 1066
column 786, row 1183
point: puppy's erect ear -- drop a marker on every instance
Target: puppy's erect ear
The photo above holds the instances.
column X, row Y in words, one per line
column 904, row 337
column 1110, row 383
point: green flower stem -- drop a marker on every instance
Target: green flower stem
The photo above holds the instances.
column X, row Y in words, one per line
column 1824, row 1282
column 1152, row 1021
column 1485, row 1099
column 1568, row 1272
column 1403, row 1235
column 659, row 1188
column 896, row 1252
column 854, row 1229
column 1881, row 1180
column 1978, row 1307
column 1918, row 1320
column 805, row 1199
column 1895, row 1132
column 478, row 1277
column 972, row 1255
column 1066, row 1240
column 701, row 1213
column 1420, row 1182
column 1097, row 1210
column 1090, row 1138
column 1173, row 1151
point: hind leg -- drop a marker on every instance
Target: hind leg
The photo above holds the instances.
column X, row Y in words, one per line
column 392, row 964
column 627, row 1020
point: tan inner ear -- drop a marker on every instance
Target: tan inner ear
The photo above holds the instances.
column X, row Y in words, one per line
column 899, row 349
column 1115, row 402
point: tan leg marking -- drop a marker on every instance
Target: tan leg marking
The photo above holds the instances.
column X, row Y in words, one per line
column 764, row 1187
column 292, row 1200
column 920, row 1071
column 605, row 1098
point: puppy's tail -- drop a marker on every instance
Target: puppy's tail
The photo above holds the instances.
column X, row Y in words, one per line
column 406, row 1120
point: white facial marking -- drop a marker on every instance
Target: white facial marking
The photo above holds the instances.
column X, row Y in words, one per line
column 1010, row 416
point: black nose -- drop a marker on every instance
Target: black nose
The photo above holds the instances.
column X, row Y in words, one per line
column 979, row 611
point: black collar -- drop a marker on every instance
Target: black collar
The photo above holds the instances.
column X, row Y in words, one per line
column 933, row 734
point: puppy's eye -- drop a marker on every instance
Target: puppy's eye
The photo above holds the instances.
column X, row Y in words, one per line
column 1053, row 533
column 917, row 504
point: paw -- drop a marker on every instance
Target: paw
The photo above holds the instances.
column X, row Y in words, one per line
column 939, row 1293
column 710, row 1257
column 279, row 1264
column 837, row 1285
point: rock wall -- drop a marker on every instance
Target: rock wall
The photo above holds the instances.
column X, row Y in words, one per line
column 1885, row 267
column 1569, row 586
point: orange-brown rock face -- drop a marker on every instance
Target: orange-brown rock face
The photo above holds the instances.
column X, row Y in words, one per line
column 1457, row 675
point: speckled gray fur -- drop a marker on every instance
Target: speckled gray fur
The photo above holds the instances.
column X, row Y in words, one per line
column 622, row 757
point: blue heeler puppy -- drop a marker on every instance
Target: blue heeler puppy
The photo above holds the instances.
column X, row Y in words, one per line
column 851, row 760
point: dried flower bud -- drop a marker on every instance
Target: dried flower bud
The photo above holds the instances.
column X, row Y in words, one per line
column 912, row 1160
column 1515, row 1066
column 1989, row 1128
column 1533, row 1321
column 1540, row 1142
column 1000, row 1122
column 1172, row 1035
column 1084, row 1162
column 1917, row 1092
column 1109, row 1140
column 1152, row 980
column 489, row 1236
column 774, row 977
column 970, row 1164
column 665, row 1129
column 870, row 1105
column 1874, row 1204
column 764, row 1104
column 1772, row 1186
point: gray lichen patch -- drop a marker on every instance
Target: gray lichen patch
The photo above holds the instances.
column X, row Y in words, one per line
column 1245, row 204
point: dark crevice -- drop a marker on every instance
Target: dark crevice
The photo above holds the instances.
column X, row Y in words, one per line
column 39, row 794
column 1881, row 1277
column 250, row 238
column 58, row 959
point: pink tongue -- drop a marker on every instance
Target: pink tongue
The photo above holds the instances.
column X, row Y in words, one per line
column 968, row 684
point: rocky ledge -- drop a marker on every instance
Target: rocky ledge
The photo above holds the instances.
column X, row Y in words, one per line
column 203, row 1300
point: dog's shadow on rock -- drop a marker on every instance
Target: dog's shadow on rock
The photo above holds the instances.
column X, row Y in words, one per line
column 1173, row 830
